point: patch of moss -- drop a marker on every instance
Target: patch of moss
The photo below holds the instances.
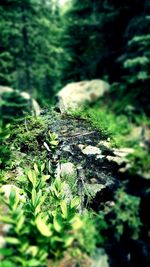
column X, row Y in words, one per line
column 109, row 124
column 28, row 136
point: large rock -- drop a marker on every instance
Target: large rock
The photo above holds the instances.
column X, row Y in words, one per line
column 35, row 106
column 78, row 94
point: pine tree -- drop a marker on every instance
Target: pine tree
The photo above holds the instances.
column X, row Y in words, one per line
column 93, row 38
column 136, row 62
column 14, row 107
column 29, row 46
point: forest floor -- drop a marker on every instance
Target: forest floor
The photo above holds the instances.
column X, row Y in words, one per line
column 104, row 162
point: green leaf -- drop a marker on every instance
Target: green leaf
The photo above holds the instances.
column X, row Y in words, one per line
column 43, row 227
column 64, row 209
column 33, row 196
column 54, row 143
column 32, row 177
column 6, row 251
column 36, row 168
column 42, row 167
column 33, row 263
column 68, row 240
column 33, row 250
column 46, row 177
column 77, row 223
column 12, row 240
column 75, row 202
column 6, row 219
column 57, row 224
column 20, row 222
column 12, row 197
column 7, row 263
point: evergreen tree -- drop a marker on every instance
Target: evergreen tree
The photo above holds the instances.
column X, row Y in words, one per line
column 136, row 61
column 29, row 46
column 109, row 40
column 93, row 37
column 13, row 107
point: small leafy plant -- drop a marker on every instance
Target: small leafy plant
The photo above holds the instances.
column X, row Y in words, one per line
column 42, row 224
column 53, row 141
column 126, row 215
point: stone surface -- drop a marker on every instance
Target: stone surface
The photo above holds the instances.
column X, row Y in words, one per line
column 101, row 259
column 105, row 147
column 117, row 159
column 123, row 152
column 68, row 169
column 144, row 175
column 7, row 188
column 78, row 94
column 67, row 192
column 90, row 150
column 93, row 189
column 36, row 108
column 79, row 145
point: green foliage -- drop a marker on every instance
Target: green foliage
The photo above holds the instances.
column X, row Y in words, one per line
column 102, row 227
column 140, row 161
column 29, row 135
column 94, row 38
column 5, row 151
column 53, row 140
column 107, row 122
column 14, row 107
column 29, row 34
column 126, row 212
column 121, row 217
column 109, row 40
column 42, row 224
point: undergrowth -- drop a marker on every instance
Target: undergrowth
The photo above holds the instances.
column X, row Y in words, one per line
column 110, row 125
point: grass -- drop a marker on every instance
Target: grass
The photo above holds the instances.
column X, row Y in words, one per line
column 110, row 125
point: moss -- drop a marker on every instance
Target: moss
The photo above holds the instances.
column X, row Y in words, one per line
column 26, row 142
column 108, row 123
column 28, row 137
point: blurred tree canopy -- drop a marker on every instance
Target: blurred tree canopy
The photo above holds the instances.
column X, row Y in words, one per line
column 44, row 46
column 109, row 40
column 29, row 33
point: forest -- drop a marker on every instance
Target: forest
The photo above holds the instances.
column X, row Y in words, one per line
column 74, row 133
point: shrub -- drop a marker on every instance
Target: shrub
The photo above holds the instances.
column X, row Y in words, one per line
column 42, row 224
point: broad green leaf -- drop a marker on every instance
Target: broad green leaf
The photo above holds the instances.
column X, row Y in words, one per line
column 7, row 263
column 13, row 198
column 20, row 222
column 6, row 219
column 36, row 168
column 75, row 202
column 54, row 143
column 12, row 240
column 57, row 224
column 43, row 227
column 64, row 209
column 42, row 167
column 33, row 196
column 32, row 177
column 6, row 251
column 33, row 250
column 46, row 177
column 68, row 240
column 33, row 263
column 77, row 223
